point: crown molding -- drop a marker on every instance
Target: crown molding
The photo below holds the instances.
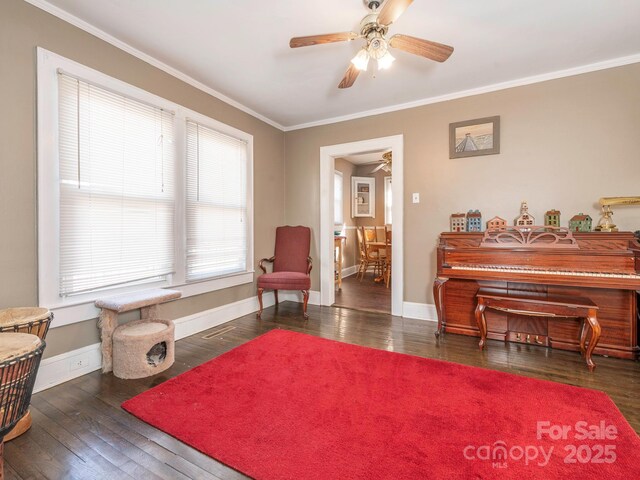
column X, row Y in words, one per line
column 592, row 67
column 89, row 28
column 102, row 35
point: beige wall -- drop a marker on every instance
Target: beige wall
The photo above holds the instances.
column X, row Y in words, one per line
column 23, row 28
column 565, row 143
column 350, row 254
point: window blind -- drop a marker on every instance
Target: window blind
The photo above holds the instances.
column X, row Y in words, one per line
column 116, row 189
column 216, row 210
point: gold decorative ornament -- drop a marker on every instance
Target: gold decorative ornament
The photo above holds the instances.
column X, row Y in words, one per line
column 606, row 221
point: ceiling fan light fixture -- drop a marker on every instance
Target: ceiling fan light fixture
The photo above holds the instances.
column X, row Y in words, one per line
column 361, row 60
column 385, row 61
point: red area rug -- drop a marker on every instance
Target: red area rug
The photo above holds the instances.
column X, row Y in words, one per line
column 293, row 406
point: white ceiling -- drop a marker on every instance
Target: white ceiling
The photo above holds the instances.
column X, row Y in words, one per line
column 365, row 157
column 240, row 47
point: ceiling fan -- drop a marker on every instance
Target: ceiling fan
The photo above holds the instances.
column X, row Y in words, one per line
column 373, row 28
column 384, row 163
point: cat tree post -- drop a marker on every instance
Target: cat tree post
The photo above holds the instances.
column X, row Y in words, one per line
column 146, row 301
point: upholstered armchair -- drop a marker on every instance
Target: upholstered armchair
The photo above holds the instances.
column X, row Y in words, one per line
column 291, row 265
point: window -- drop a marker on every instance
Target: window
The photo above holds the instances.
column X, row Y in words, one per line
column 388, row 197
column 134, row 192
column 216, row 203
column 338, row 199
column 116, row 171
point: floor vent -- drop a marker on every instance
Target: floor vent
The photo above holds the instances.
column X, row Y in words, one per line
column 217, row 333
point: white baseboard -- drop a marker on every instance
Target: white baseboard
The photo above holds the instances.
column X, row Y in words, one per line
column 295, row 296
column 198, row 322
column 420, row 311
column 67, row 366
column 347, row 272
column 75, row 363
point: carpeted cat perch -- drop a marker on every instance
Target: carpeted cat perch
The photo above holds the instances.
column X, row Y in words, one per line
column 140, row 348
column 143, row 348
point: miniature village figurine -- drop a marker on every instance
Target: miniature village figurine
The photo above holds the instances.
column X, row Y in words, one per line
column 552, row 218
column 525, row 219
column 474, row 221
column 497, row 223
column 580, row 223
column 458, row 222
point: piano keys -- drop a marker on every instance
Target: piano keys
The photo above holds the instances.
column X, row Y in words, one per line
column 544, row 261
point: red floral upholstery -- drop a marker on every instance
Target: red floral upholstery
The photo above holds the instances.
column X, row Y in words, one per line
column 291, row 264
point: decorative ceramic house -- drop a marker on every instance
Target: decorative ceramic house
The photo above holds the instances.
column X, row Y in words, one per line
column 497, row 223
column 580, row 223
column 525, row 219
column 552, row 218
column 458, row 222
column 474, row 221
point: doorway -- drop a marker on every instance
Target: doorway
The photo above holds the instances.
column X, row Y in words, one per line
column 328, row 154
column 362, row 223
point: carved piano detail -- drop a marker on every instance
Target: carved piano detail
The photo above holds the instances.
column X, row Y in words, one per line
column 542, row 261
column 529, row 237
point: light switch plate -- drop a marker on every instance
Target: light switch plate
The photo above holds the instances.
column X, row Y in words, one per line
column 416, row 198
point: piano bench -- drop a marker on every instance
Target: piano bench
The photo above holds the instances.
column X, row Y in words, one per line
column 521, row 303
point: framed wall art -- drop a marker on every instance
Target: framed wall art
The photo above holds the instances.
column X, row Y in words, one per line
column 474, row 137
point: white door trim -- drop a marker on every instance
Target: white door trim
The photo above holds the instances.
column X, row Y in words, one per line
column 328, row 154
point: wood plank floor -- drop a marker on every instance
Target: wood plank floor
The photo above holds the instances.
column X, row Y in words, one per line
column 364, row 295
column 80, row 432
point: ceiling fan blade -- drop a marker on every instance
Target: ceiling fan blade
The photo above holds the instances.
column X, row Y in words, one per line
column 349, row 77
column 391, row 10
column 296, row 42
column 379, row 167
column 425, row 48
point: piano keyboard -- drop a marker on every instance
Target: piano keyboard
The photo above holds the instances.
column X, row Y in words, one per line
column 529, row 271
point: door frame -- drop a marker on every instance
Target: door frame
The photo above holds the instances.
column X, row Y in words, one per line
column 328, row 154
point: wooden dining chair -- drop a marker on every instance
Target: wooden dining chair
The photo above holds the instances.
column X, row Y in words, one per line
column 387, row 260
column 368, row 258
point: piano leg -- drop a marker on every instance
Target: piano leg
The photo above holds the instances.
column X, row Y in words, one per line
column 481, row 321
column 583, row 336
column 438, row 297
column 595, row 336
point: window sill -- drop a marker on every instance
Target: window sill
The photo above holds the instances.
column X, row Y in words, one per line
column 86, row 310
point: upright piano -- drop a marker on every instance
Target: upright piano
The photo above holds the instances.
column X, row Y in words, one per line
column 604, row 267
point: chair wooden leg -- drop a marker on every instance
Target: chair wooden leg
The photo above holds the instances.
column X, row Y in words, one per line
column 365, row 266
column 275, row 293
column 1, row 459
column 305, row 294
column 260, row 290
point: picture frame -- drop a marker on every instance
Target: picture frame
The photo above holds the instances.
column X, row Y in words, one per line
column 471, row 138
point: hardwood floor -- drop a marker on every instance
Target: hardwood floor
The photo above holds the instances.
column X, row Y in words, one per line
column 364, row 295
column 80, row 432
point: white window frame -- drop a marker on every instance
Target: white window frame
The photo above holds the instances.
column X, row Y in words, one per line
column 81, row 307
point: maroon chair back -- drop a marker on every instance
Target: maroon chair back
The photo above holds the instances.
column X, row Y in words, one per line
column 292, row 249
